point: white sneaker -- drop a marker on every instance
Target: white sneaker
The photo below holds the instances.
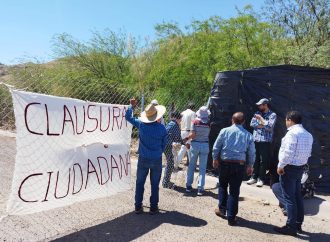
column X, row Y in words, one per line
column 260, row 183
column 251, row 181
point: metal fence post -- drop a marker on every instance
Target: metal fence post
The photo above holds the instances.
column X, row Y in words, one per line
column 142, row 102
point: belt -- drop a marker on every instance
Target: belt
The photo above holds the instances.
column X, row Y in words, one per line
column 294, row 166
column 186, row 130
column 241, row 162
column 199, row 141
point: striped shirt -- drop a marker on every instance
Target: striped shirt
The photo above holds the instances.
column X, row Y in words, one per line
column 152, row 137
column 296, row 147
column 234, row 143
column 202, row 131
column 264, row 134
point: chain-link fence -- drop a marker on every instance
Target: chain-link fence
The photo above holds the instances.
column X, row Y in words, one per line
column 98, row 92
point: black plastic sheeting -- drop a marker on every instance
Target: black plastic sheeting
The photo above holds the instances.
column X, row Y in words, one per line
column 305, row 89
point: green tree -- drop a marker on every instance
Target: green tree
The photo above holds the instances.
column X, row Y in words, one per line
column 184, row 64
column 306, row 29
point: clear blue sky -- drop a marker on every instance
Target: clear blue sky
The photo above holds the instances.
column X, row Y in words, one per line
column 27, row 26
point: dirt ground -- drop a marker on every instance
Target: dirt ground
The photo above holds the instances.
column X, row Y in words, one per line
column 182, row 217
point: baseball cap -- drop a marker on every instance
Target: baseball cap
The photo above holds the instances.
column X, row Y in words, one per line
column 262, row 101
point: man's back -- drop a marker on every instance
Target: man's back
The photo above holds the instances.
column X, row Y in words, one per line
column 152, row 136
column 173, row 133
column 187, row 117
column 235, row 143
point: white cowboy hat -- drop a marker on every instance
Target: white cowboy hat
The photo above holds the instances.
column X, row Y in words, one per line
column 203, row 114
column 152, row 113
column 154, row 102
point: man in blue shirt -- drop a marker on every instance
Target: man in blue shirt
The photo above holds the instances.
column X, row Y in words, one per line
column 152, row 141
column 174, row 136
column 263, row 123
column 233, row 153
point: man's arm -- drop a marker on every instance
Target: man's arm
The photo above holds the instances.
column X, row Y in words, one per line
column 164, row 140
column 129, row 117
column 270, row 123
column 217, row 147
column 254, row 122
column 177, row 134
column 287, row 150
column 251, row 152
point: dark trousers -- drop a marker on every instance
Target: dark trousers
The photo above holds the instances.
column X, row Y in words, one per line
column 169, row 166
column 262, row 160
column 291, row 188
column 143, row 168
column 214, row 132
column 278, row 192
column 230, row 174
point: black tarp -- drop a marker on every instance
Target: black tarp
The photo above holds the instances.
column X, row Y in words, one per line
column 305, row 89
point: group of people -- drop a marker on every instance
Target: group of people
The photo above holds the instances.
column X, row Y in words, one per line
column 193, row 138
column 234, row 152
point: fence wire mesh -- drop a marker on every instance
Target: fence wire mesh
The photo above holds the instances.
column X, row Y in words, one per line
column 97, row 91
column 100, row 91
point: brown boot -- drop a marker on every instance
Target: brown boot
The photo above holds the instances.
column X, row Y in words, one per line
column 220, row 212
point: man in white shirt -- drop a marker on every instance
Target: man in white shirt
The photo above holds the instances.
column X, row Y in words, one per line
column 296, row 148
column 186, row 127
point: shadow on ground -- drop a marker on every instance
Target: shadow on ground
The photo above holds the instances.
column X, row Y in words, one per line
column 269, row 229
column 131, row 226
column 210, row 192
column 312, row 206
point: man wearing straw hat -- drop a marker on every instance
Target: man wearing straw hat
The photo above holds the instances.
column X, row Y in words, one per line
column 152, row 141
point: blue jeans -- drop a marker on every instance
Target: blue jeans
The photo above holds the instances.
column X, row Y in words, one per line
column 291, row 187
column 277, row 190
column 169, row 166
column 201, row 150
column 230, row 174
column 155, row 167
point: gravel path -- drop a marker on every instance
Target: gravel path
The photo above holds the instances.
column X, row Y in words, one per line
column 182, row 218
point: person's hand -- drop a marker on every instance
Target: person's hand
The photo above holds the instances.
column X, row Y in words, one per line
column 215, row 164
column 280, row 171
column 257, row 116
column 249, row 170
column 133, row 102
column 187, row 145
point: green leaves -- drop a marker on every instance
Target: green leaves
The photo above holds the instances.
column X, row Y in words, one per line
column 181, row 64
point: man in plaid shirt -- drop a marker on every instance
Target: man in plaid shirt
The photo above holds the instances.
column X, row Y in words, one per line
column 263, row 123
column 296, row 148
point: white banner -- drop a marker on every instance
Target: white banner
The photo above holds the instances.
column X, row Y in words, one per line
column 68, row 151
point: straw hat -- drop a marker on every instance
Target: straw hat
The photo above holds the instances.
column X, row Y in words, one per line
column 152, row 113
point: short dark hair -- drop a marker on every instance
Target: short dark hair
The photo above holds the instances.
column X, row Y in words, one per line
column 294, row 116
column 176, row 115
column 191, row 105
column 238, row 118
